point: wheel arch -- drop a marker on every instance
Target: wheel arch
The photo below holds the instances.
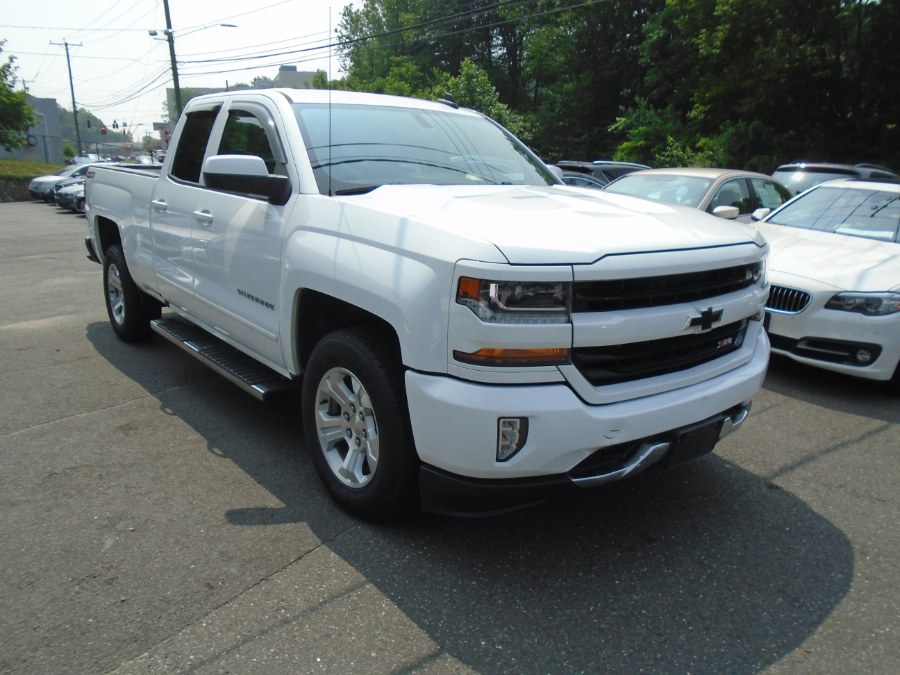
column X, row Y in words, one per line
column 317, row 314
column 108, row 234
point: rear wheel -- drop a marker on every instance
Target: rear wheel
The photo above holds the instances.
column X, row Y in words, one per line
column 130, row 310
column 356, row 424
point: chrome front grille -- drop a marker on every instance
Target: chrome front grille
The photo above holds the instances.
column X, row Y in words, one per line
column 787, row 300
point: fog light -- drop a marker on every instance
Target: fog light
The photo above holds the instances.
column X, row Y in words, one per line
column 863, row 356
column 512, row 432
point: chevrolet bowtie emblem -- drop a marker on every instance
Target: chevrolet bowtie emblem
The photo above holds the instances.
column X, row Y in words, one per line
column 705, row 321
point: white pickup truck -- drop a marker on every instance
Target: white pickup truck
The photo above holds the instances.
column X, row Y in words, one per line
column 469, row 335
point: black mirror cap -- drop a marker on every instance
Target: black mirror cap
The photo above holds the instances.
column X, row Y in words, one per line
column 277, row 189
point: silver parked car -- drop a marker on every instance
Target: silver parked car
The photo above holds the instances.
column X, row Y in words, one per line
column 71, row 196
column 726, row 193
column 40, row 187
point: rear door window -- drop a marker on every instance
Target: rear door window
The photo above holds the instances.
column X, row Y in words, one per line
column 192, row 143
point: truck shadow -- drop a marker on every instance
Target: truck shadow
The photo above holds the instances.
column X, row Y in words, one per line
column 704, row 568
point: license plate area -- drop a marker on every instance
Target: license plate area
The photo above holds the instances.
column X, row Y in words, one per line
column 694, row 442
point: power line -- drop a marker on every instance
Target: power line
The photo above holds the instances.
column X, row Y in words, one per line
column 309, row 51
column 69, row 28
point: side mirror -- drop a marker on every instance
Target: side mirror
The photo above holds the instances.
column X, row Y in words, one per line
column 760, row 213
column 556, row 171
column 245, row 174
column 726, row 212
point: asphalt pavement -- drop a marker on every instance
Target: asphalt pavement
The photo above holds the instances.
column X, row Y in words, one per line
column 155, row 519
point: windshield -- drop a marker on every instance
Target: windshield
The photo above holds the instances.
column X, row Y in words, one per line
column 69, row 170
column 686, row 190
column 872, row 214
column 357, row 148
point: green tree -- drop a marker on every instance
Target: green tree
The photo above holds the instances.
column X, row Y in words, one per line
column 582, row 65
column 473, row 89
column 388, row 42
column 15, row 112
column 763, row 81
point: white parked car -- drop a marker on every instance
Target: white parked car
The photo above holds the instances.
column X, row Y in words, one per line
column 835, row 275
column 41, row 187
column 726, row 193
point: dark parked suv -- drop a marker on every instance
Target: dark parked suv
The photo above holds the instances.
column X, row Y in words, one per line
column 601, row 170
column 800, row 176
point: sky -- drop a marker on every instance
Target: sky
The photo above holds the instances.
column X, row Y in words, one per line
column 120, row 72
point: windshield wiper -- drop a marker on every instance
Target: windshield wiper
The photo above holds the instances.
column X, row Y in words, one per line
column 886, row 204
column 361, row 190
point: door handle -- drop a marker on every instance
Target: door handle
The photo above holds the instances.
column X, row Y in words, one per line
column 159, row 204
column 205, row 217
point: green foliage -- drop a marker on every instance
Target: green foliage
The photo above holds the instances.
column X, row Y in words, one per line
column 473, row 89
column 766, row 81
column 15, row 112
column 738, row 83
column 24, row 169
column 320, row 80
column 69, row 151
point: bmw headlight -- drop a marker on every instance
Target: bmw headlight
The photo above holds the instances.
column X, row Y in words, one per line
column 870, row 304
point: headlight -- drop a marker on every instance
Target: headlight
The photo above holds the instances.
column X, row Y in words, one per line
column 760, row 273
column 515, row 301
column 870, row 304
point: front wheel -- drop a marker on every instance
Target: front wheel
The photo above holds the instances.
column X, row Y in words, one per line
column 357, row 426
column 130, row 310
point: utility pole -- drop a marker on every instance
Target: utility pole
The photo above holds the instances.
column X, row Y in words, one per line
column 170, row 34
column 72, row 88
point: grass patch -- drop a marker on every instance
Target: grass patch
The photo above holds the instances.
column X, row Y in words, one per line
column 18, row 168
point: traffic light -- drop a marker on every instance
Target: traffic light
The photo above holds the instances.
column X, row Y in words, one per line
column 102, row 130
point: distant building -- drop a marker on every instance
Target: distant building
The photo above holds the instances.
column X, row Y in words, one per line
column 45, row 142
column 290, row 78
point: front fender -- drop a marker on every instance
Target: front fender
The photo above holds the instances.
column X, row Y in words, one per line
column 409, row 293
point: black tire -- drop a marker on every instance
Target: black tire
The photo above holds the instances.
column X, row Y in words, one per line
column 130, row 310
column 356, row 424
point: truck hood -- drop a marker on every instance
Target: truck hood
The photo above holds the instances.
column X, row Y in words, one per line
column 556, row 224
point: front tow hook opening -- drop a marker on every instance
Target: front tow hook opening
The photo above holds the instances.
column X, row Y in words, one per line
column 691, row 442
column 732, row 422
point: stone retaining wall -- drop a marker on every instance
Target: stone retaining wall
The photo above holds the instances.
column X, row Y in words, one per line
column 14, row 190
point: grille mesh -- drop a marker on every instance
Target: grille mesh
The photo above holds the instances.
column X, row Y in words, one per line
column 616, row 294
column 623, row 363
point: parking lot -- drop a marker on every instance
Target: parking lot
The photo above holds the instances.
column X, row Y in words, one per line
column 157, row 519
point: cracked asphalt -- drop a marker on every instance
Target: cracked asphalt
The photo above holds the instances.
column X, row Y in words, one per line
column 157, row 519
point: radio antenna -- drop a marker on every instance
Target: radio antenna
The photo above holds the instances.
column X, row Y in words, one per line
column 328, row 84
